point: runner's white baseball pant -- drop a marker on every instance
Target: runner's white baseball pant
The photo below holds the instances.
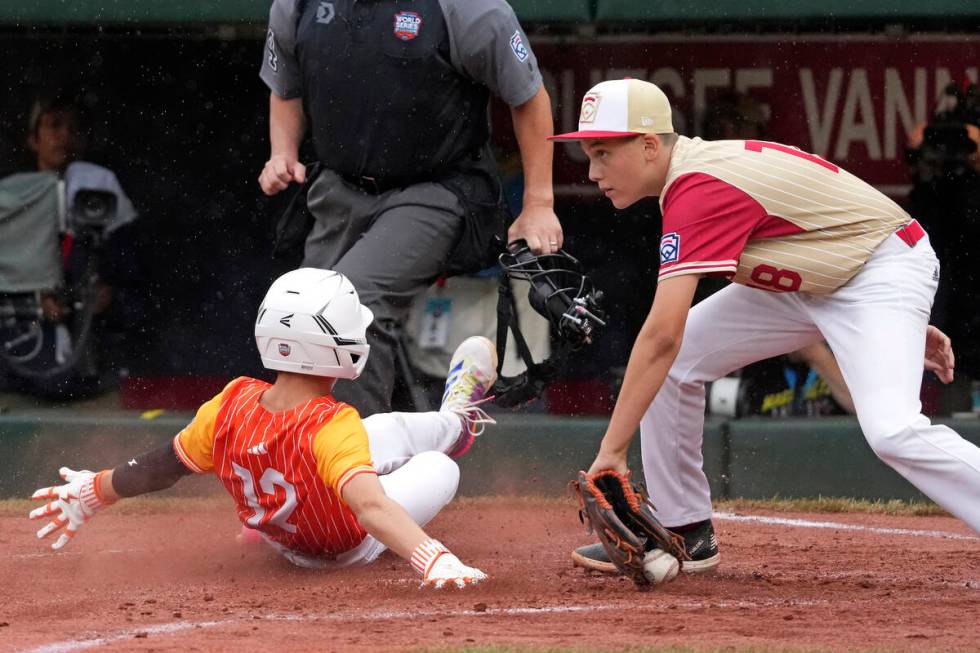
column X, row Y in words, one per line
column 408, row 453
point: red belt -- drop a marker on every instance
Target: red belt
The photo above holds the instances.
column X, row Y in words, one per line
column 911, row 233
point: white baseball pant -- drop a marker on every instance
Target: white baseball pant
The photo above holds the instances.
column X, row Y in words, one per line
column 408, row 451
column 875, row 325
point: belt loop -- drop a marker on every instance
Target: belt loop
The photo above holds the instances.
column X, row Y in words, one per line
column 911, row 233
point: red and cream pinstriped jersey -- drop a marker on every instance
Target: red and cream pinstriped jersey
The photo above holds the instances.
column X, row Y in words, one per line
column 285, row 470
column 769, row 216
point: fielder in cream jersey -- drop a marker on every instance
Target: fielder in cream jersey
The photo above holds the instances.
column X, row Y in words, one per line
column 777, row 217
column 815, row 253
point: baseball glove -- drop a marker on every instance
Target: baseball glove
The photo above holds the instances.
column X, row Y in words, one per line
column 622, row 516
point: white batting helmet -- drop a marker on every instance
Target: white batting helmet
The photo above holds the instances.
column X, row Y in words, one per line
column 312, row 322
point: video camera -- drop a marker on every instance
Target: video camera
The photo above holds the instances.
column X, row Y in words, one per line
column 946, row 146
column 93, row 210
column 25, row 342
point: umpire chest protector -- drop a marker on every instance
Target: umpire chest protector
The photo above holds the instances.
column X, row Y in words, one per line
column 380, row 90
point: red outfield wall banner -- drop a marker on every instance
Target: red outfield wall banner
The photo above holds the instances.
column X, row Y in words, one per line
column 848, row 98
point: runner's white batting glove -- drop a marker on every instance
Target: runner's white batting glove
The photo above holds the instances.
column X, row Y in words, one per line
column 72, row 504
column 439, row 567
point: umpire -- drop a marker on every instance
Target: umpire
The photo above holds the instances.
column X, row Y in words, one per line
column 396, row 96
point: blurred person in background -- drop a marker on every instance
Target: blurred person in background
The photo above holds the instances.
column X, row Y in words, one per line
column 70, row 350
column 944, row 159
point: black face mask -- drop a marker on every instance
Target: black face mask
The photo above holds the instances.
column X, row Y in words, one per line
column 561, row 294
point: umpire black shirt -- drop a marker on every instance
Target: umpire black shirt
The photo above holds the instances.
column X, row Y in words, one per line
column 398, row 88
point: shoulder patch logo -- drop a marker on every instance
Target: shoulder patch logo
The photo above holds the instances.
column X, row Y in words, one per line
column 517, row 45
column 270, row 44
column 670, row 248
column 408, row 24
column 325, row 12
column 590, row 107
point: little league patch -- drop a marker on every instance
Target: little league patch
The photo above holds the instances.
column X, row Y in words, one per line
column 590, row 105
column 670, row 247
column 517, row 45
column 408, row 24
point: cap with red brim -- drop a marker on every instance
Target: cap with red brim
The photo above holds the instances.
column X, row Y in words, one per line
column 579, row 135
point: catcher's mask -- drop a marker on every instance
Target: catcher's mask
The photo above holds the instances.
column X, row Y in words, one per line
column 563, row 295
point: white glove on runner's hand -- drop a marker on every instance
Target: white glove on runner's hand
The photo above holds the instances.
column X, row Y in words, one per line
column 449, row 569
column 73, row 504
column 439, row 567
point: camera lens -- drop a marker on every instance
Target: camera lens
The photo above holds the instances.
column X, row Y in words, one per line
column 94, row 208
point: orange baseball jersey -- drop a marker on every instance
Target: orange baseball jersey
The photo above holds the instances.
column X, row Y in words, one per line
column 771, row 216
column 285, row 470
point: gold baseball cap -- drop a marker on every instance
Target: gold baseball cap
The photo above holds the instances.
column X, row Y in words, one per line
column 621, row 107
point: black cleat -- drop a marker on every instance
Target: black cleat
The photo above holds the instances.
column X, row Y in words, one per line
column 701, row 544
column 699, row 541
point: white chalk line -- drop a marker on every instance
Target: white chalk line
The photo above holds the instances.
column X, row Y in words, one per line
column 160, row 629
column 806, row 523
column 71, row 554
column 68, row 646
column 169, row 628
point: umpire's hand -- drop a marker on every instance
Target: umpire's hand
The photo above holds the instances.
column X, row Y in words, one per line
column 279, row 171
column 539, row 226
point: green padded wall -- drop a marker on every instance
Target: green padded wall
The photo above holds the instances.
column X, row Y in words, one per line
column 133, row 11
column 687, row 10
column 220, row 11
column 553, row 10
column 522, row 455
column 815, row 457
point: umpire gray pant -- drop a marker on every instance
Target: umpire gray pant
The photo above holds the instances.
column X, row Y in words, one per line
column 391, row 246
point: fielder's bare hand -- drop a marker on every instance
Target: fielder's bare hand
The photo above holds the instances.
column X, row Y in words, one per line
column 71, row 504
column 539, row 226
column 607, row 460
column 939, row 354
column 279, row 171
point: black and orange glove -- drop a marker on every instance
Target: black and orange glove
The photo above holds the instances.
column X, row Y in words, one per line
column 622, row 517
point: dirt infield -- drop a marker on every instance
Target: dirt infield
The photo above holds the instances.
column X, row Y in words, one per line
column 153, row 577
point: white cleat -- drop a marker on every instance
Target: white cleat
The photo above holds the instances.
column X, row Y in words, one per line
column 472, row 372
